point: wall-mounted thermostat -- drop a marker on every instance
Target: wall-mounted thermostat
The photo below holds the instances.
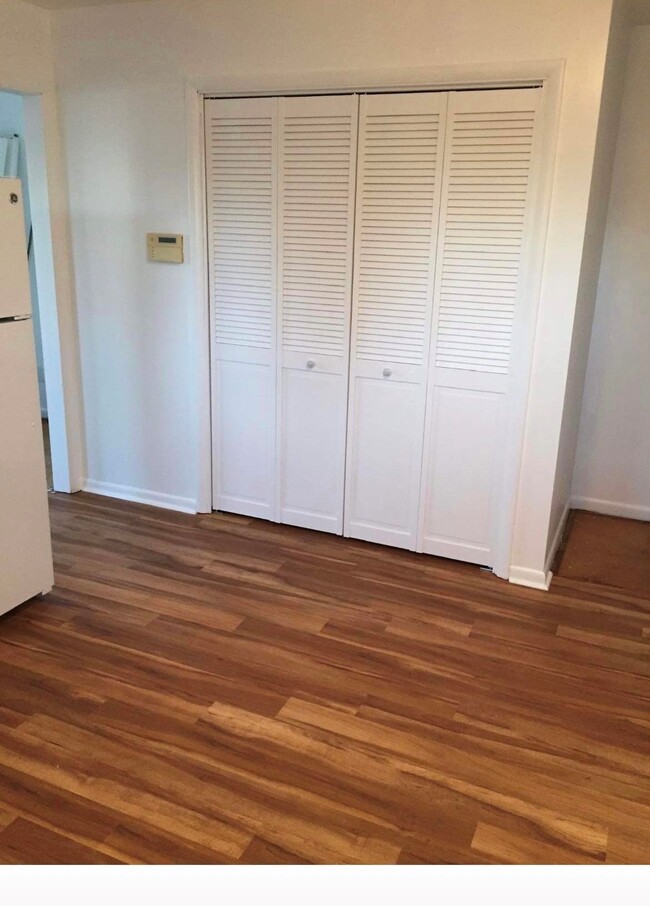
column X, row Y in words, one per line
column 166, row 247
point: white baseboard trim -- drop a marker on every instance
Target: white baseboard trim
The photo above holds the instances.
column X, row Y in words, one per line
column 138, row 495
column 531, row 578
column 537, row 578
column 611, row 508
column 557, row 538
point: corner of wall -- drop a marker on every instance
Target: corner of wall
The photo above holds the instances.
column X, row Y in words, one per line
column 610, row 472
column 606, row 139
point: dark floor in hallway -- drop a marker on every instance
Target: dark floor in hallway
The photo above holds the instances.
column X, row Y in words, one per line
column 608, row 551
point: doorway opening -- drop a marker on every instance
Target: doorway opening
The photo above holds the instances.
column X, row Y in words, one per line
column 22, row 156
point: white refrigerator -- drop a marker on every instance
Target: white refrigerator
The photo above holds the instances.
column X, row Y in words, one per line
column 25, row 545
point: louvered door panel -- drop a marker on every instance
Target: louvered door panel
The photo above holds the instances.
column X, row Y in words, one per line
column 241, row 175
column 485, row 212
column 481, row 242
column 318, row 137
column 401, row 138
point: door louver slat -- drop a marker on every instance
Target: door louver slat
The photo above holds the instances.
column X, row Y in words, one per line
column 396, row 222
column 240, row 184
column 484, row 209
column 316, row 164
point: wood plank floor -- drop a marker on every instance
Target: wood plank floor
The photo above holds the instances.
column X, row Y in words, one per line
column 607, row 550
column 216, row 689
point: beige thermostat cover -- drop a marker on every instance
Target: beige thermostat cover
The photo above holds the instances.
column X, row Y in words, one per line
column 166, row 247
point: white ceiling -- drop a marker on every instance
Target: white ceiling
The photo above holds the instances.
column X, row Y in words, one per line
column 68, row 4
column 640, row 9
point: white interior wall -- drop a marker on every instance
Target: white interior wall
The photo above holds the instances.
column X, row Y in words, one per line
column 27, row 66
column 122, row 72
column 612, row 470
column 601, row 180
column 12, row 122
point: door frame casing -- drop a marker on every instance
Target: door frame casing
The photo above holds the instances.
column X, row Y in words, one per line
column 549, row 74
column 55, row 283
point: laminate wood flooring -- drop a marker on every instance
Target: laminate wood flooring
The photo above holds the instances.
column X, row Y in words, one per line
column 216, row 689
column 607, row 550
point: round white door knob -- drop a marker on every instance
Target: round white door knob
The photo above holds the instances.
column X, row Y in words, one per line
column 387, row 372
column 311, row 364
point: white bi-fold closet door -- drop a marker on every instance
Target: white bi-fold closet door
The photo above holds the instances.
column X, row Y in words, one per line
column 317, row 162
column 280, row 181
column 442, row 214
column 363, row 351
column 241, row 178
column 401, row 141
column 479, row 316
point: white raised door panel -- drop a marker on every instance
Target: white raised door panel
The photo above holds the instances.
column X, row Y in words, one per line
column 312, row 480
column 490, row 156
column 244, row 429
column 317, row 141
column 241, row 176
column 466, row 429
column 401, row 138
column 384, row 473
